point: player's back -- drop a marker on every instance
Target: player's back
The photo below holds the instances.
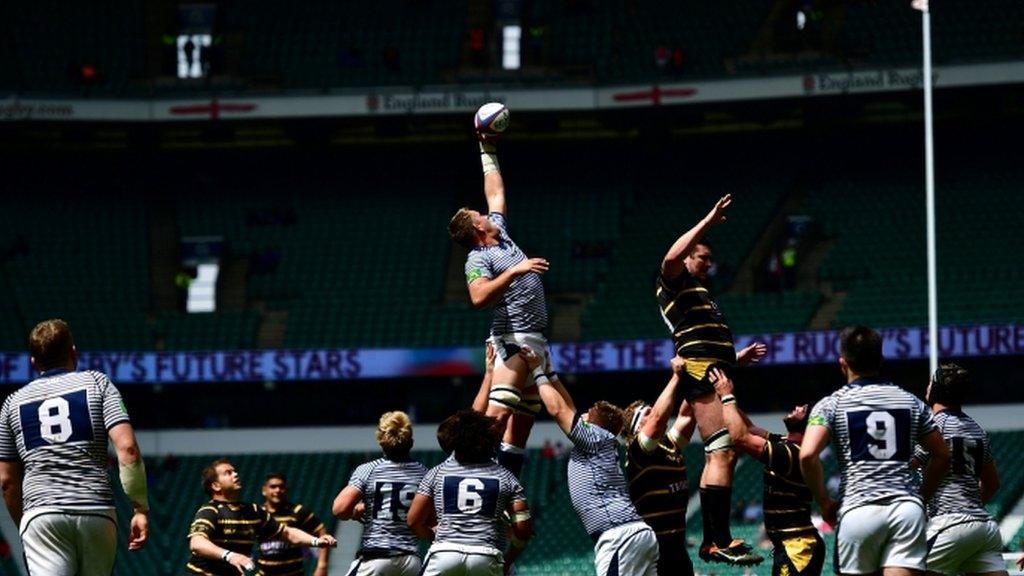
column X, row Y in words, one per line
column 470, row 500
column 874, row 425
column 597, row 485
column 388, row 488
column 57, row 426
column 959, row 492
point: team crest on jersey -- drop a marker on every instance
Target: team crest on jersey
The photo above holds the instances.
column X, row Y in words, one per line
column 474, row 274
column 816, row 420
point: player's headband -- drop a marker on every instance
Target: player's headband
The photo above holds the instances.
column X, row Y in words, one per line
column 638, row 415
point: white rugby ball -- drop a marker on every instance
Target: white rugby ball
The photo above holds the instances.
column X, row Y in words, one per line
column 491, row 118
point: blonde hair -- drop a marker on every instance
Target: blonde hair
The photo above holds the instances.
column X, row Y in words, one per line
column 394, row 434
column 50, row 344
column 461, row 229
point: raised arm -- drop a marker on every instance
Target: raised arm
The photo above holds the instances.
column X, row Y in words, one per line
column 735, row 420
column 672, row 264
column 480, row 402
column 657, row 422
column 555, row 397
column 133, row 480
column 494, row 184
column 682, row 428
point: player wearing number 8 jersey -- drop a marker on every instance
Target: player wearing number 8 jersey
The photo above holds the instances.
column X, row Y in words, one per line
column 874, row 426
column 385, row 488
column 962, row 537
column 53, row 461
column 466, row 497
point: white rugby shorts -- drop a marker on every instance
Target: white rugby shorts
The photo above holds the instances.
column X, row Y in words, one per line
column 961, row 544
column 404, row 565
column 508, row 345
column 873, row 536
column 449, row 559
column 627, row 550
column 70, row 542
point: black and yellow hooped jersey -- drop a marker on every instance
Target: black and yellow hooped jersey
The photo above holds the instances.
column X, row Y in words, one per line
column 236, row 526
column 279, row 558
column 658, row 487
column 699, row 329
column 787, row 500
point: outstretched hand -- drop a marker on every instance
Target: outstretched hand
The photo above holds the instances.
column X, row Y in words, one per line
column 530, row 357
column 717, row 213
column 678, row 365
column 723, row 385
column 752, row 353
column 538, row 265
column 326, row 541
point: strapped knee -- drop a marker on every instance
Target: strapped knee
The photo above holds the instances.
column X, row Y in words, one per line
column 530, row 404
column 505, row 396
column 718, row 441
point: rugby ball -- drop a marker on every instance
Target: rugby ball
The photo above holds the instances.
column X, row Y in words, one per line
column 491, row 118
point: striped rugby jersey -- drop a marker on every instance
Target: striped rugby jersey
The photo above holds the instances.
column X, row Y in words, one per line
column 280, row 558
column 388, row 488
column 522, row 308
column 597, row 486
column 57, row 426
column 658, row 487
column 699, row 329
column 970, row 451
column 236, row 526
column 470, row 500
column 874, row 426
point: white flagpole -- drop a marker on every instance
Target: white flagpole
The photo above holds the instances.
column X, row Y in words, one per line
column 929, row 170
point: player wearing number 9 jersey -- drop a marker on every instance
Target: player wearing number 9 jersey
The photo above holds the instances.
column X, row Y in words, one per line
column 466, row 497
column 385, row 487
column 53, row 461
column 874, row 425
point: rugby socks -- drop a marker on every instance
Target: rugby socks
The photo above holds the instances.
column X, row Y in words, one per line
column 512, row 458
column 714, row 504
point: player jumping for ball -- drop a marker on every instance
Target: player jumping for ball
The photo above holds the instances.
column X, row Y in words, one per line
column 499, row 274
column 702, row 337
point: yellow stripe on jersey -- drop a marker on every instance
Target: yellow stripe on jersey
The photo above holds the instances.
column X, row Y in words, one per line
column 699, row 326
column 203, row 534
column 231, row 521
column 203, row 521
column 697, row 307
